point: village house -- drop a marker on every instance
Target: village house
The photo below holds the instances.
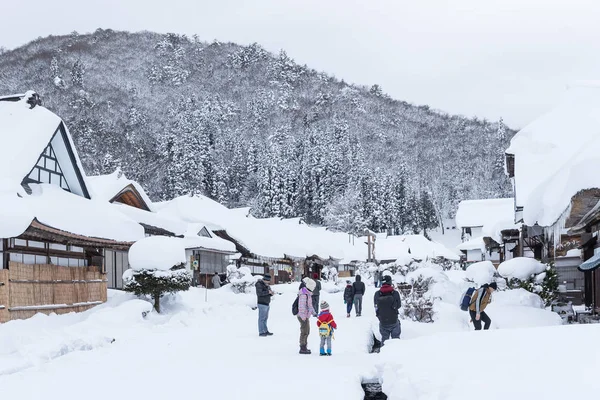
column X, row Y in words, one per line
column 487, row 230
column 54, row 235
column 206, row 253
column 556, row 192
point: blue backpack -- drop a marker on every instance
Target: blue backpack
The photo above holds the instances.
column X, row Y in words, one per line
column 466, row 299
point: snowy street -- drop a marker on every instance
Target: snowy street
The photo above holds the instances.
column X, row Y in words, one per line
column 212, row 349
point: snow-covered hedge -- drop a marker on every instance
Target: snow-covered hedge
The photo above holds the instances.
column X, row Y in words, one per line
column 157, row 267
column 531, row 275
column 241, row 279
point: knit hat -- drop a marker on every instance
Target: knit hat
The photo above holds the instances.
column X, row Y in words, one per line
column 324, row 305
column 315, row 275
column 310, row 284
column 348, row 281
column 493, row 285
column 266, row 277
column 387, row 279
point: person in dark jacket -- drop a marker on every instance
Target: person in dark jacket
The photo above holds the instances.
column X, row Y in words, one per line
column 479, row 301
column 348, row 297
column 387, row 303
column 316, row 294
column 263, row 299
column 358, row 288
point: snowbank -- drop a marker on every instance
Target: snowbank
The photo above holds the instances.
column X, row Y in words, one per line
column 521, row 268
column 473, row 244
column 157, row 253
column 481, row 272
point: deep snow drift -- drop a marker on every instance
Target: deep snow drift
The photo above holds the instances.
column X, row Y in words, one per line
column 211, row 349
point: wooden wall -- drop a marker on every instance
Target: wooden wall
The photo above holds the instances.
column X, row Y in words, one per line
column 28, row 289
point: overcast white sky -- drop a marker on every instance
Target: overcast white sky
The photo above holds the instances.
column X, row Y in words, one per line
column 490, row 58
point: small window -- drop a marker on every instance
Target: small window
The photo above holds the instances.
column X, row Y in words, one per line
column 76, row 249
column 63, row 262
column 20, row 242
column 41, row 260
column 16, row 257
column 28, row 259
column 44, row 176
column 56, row 246
column 55, row 179
column 50, row 164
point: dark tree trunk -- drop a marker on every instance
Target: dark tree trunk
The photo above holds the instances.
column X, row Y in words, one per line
column 157, row 302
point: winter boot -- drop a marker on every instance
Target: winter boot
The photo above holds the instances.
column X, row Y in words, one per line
column 348, row 316
column 328, row 352
column 304, row 350
column 322, row 352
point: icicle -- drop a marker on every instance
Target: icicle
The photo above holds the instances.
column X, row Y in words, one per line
column 555, row 231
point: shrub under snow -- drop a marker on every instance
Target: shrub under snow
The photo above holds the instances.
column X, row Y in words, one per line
column 241, row 279
column 531, row 275
column 157, row 267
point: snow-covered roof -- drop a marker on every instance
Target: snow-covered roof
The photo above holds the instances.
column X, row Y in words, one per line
column 473, row 244
column 520, row 268
column 59, row 209
column 24, row 134
column 405, row 248
column 479, row 213
column 107, row 187
column 552, row 152
column 267, row 237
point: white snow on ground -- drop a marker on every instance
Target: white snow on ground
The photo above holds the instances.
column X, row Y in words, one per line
column 211, row 349
column 521, row 268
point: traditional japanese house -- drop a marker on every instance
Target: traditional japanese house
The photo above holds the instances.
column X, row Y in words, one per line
column 53, row 235
column 206, row 253
column 556, row 191
column 486, row 226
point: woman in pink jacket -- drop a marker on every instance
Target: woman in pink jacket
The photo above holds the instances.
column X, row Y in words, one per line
column 305, row 311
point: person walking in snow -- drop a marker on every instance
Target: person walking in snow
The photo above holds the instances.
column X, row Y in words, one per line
column 216, row 281
column 387, row 303
column 316, row 294
column 348, row 297
column 376, row 278
column 479, row 301
column 305, row 311
column 263, row 299
column 326, row 325
column 358, row 288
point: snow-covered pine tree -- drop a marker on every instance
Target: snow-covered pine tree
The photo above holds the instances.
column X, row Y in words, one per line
column 77, row 74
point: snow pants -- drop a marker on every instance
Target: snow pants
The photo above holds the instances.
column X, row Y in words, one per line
column 325, row 340
column 263, row 316
column 482, row 317
column 304, row 331
column 358, row 303
column 387, row 330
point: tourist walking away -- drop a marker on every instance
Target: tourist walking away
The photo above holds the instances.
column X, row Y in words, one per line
column 479, row 301
column 348, row 297
column 387, row 303
column 316, row 294
column 263, row 299
column 216, row 281
column 305, row 311
column 359, row 290
column 326, row 325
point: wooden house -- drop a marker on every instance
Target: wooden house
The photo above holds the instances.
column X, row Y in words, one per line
column 206, row 253
column 556, row 190
column 53, row 236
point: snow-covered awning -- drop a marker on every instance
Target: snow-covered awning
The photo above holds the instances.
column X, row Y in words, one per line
column 590, row 264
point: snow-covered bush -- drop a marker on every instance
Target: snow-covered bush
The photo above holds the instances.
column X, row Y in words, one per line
column 417, row 302
column 241, row 279
column 446, row 264
column 157, row 268
column 481, row 272
column 533, row 276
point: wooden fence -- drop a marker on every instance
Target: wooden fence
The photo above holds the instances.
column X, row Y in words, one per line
column 28, row 289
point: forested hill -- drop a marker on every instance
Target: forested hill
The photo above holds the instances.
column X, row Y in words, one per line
column 251, row 128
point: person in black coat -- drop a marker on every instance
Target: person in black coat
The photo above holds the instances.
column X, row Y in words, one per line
column 358, row 288
column 387, row 303
column 348, row 297
column 263, row 300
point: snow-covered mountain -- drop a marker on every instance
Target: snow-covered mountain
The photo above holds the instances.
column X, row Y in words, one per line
column 250, row 128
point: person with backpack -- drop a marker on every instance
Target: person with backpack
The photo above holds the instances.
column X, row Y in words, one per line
column 326, row 325
column 358, row 288
column 316, row 294
column 305, row 311
column 348, row 297
column 263, row 300
column 387, row 303
column 479, row 301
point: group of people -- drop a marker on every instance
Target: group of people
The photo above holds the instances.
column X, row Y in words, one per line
column 386, row 300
